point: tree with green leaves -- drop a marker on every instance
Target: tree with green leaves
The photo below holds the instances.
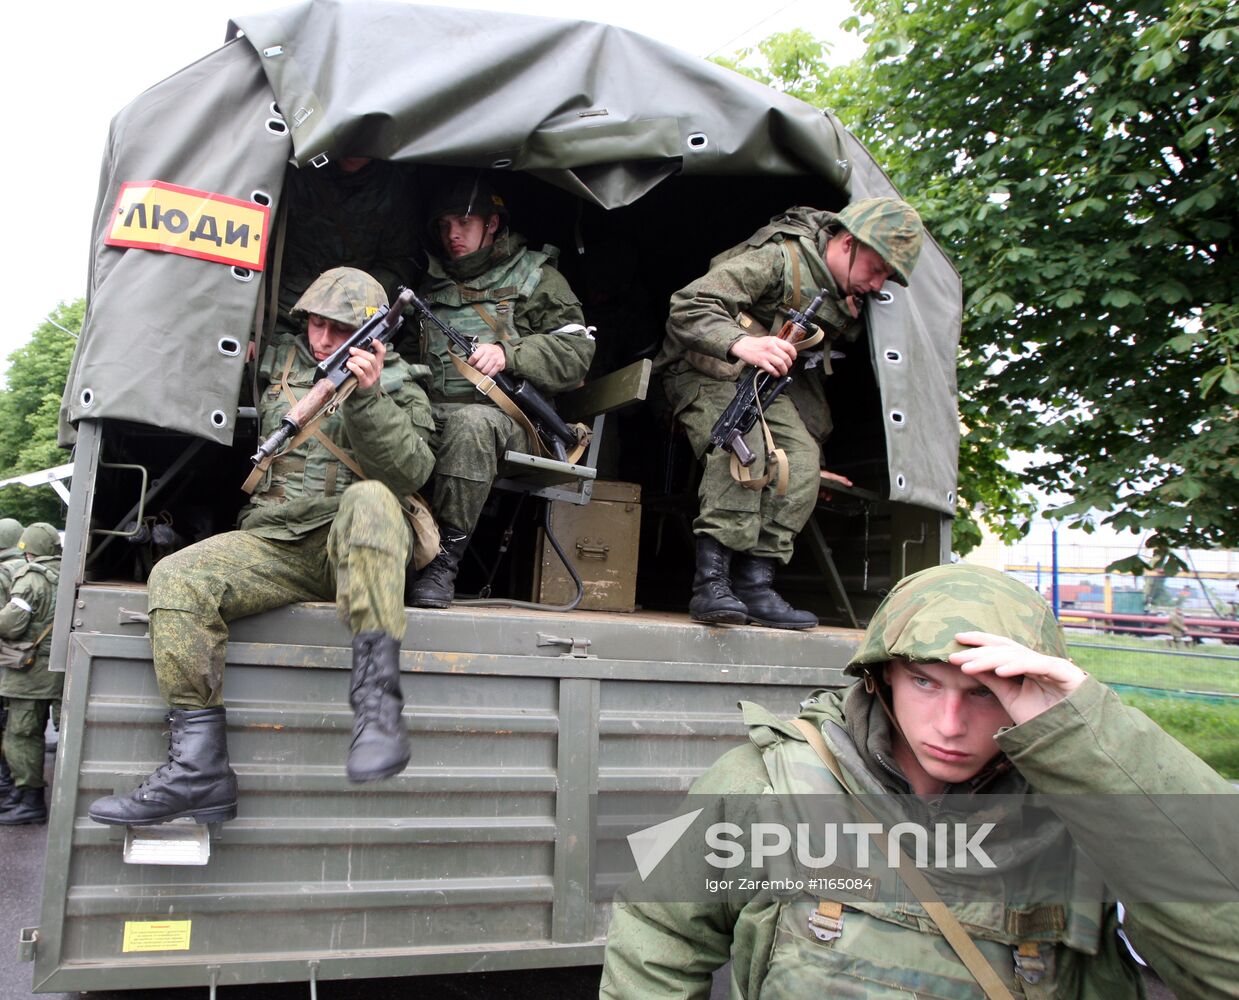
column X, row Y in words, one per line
column 1079, row 162
column 29, row 410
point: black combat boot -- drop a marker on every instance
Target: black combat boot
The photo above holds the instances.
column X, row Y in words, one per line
column 713, row 600
column 24, row 805
column 380, row 746
column 436, row 587
column 752, row 580
column 196, row 781
column 6, row 778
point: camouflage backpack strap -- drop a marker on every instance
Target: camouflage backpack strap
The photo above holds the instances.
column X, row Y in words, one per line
column 793, row 258
column 986, row 976
column 490, row 320
column 309, row 430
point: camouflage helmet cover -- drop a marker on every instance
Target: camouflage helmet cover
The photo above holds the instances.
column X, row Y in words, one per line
column 919, row 617
column 343, row 294
column 40, row 539
column 10, row 532
column 891, row 227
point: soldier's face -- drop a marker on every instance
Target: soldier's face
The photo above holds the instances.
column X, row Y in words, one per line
column 948, row 720
column 862, row 276
column 461, row 235
column 326, row 336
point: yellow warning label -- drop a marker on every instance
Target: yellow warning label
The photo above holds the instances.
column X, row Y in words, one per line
column 152, row 215
column 164, row 935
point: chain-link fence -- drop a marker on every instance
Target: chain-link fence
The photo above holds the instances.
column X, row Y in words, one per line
column 1189, row 689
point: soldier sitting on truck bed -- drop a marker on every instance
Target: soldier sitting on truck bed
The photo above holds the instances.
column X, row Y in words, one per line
column 487, row 284
column 327, row 520
column 718, row 326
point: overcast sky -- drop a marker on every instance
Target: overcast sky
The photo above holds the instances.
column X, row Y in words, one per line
column 70, row 66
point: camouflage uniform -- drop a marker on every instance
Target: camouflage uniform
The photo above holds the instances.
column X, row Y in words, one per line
column 1087, row 743
column 781, row 266
column 10, row 532
column 34, row 693
column 311, row 532
column 341, row 219
column 507, row 294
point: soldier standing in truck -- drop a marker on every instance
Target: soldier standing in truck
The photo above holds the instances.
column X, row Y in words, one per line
column 328, row 520
column 719, row 325
column 485, row 282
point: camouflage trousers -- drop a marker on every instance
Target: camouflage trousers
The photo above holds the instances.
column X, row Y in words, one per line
column 757, row 522
column 359, row 560
column 468, row 441
column 23, row 738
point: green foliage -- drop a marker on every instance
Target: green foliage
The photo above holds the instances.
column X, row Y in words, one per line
column 29, row 411
column 1078, row 162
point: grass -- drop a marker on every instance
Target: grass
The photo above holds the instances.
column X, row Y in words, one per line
column 1211, row 731
column 1151, row 663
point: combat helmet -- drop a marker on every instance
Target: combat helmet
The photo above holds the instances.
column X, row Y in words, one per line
column 891, row 227
column 40, row 539
column 466, row 194
column 343, row 294
column 10, row 531
column 920, row 616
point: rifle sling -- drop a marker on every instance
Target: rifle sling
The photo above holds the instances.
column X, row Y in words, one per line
column 487, row 387
column 986, row 975
column 310, row 429
column 780, row 475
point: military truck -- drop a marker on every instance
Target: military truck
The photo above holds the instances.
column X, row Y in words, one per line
column 639, row 162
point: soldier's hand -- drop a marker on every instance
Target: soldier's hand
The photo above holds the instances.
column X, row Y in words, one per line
column 767, row 353
column 489, row 359
column 367, row 365
column 1025, row 681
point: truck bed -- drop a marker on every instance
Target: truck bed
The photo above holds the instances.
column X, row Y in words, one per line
column 480, row 856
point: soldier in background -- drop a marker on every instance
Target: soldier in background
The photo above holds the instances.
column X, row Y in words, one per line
column 30, row 692
column 10, row 532
column 329, row 520
column 485, row 282
column 720, row 324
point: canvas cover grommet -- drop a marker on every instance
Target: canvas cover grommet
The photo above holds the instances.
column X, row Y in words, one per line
column 87, row 398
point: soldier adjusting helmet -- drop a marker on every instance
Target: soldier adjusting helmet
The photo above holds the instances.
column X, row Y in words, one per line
column 891, row 227
column 40, row 539
column 10, row 532
column 920, row 616
column 343, row 294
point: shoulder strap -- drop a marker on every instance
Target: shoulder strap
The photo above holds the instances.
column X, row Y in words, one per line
column 984, row 973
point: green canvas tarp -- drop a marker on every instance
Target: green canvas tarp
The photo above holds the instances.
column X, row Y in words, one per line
column 599, row 112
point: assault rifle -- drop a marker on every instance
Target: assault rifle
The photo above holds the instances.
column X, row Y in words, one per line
column 331, row 373
column 758, row 387
column 556, row 435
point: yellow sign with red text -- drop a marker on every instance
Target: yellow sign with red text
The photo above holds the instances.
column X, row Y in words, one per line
column 152, row 215
column 156, row 935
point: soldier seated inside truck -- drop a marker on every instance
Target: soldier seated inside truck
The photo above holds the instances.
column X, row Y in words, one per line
column 484, row 282
column 326, row 521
